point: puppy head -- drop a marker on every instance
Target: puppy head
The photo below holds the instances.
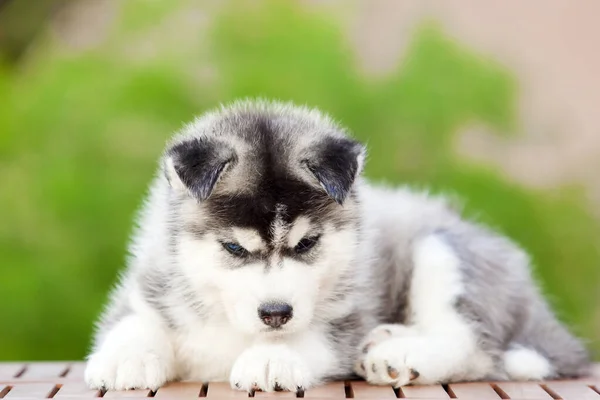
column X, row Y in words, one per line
column 264, row 212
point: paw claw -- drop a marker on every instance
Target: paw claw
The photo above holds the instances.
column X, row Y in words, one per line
column 414, row 374
column 393, row 372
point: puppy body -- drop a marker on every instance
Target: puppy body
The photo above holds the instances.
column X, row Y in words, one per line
column 262, row 258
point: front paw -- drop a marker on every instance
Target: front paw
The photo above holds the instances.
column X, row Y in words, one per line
column 129, row 359
column 140, row 369
column 378, row 335
column 270, row 368
column 401, row 361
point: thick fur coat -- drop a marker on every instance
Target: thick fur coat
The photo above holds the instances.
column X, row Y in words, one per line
column 262, row 258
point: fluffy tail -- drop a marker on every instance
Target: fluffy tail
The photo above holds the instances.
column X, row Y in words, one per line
column 546, row 349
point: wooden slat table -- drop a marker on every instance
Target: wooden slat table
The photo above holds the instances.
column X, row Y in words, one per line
column 64, row 380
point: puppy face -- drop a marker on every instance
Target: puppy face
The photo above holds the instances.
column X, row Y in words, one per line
column 269, row 287
column 265, row 219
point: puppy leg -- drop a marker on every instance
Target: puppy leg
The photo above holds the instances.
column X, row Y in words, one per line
column 135, row 354
column 441, row 345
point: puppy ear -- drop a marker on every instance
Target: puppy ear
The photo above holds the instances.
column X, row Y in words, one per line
column 336, row 164
column 197, row 164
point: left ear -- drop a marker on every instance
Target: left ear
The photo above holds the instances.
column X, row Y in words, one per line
column 196, row 164
column 336, row 163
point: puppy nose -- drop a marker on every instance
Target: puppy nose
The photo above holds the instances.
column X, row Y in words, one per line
column 275, row 314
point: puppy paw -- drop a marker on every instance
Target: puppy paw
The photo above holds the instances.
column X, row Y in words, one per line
column 377, row 336
column 135, row 370
column 270, row 368
column 402, row 360
column 129, row 362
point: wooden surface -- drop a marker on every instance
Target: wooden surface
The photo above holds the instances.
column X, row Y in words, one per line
column 63, row 380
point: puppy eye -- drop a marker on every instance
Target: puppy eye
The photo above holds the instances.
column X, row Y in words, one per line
column 306, row 244
column 235, row 249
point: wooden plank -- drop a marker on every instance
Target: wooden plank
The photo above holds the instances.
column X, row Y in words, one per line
column 40, row 380
column 44, row 371
column 179, row 390
column 330, row 390
column 10, row 370
column 271, row 395
column 122, row 394
column 219, row 390
column 71, row 390
column 4, row 389
column 592, row 379
column 523, row 390
column 474, row 391
column 76, row 370
column 572, row 390
column 363, row 390
column 424, row 392
column 30, row 391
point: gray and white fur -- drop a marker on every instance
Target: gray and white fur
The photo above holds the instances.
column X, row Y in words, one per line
column 262, row 257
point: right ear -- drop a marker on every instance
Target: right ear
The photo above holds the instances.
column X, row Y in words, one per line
column 197, row 164
column 335, row 163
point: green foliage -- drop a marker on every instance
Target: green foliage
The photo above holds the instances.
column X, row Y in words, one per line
column 80, row 134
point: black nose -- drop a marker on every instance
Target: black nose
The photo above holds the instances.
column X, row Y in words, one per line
column 275, row 314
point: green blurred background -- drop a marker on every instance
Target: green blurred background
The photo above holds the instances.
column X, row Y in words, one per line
column 90, row 91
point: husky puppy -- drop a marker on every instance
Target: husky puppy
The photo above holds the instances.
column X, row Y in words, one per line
column 262, row 258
